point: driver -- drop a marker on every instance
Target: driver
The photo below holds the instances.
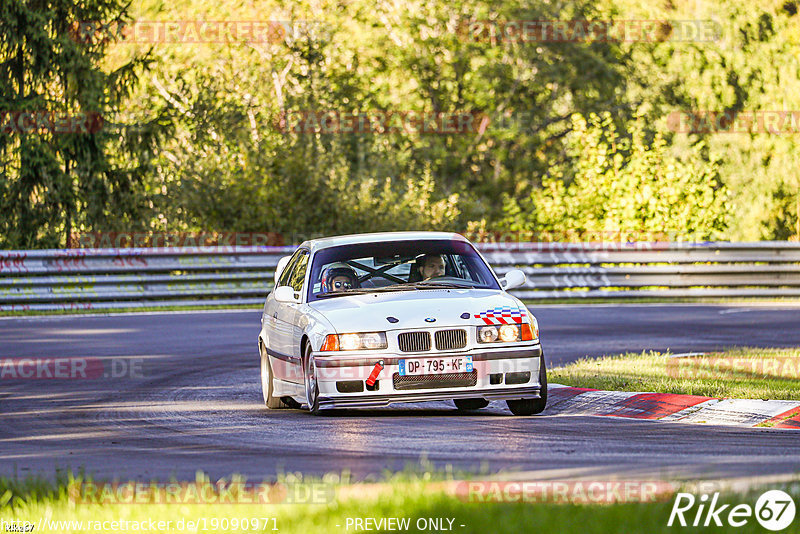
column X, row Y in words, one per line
column 431, row 266
column 338, row 277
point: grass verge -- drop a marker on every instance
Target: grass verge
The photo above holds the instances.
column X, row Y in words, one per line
column 744, row 373
column 52, row 507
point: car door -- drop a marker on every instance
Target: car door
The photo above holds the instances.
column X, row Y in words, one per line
column 277, row 336
column 289, row 317
column 269, row 315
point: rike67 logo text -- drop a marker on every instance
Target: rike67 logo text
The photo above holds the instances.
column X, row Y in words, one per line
column 774, row 510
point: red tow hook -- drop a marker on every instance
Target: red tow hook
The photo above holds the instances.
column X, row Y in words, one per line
column 373, row 376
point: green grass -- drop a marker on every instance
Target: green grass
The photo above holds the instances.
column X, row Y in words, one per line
column 745, row 373
column 402, row 497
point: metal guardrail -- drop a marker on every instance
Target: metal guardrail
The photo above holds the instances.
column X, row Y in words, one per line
column 657, row 270
column 153, row 277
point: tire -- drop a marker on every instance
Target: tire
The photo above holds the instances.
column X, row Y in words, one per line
column 468, row 405
column 532, row 406
column 270, row 401
column 310, row 381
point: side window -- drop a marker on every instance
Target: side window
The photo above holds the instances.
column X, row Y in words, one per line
column 298, row 274
column 287, row 271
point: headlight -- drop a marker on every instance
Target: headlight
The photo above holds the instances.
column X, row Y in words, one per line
column 507, row 333
column 349, row 342
column 358, row 341
column 487, row 334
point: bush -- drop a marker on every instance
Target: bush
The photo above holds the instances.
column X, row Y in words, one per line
column 624, row 184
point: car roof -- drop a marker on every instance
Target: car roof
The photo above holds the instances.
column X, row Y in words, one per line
column 377, row 237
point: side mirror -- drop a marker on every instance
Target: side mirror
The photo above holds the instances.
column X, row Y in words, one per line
column 280, row 267
column 285, row 294
column 512, row 279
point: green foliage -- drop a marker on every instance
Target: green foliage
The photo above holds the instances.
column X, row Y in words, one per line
column 754, row 65
column 228, row 168
column 54, row 182
column 624, row 185
column 204, row 152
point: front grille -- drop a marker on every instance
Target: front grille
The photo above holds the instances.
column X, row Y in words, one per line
column 450, row 339
column 447, row 380
column 414, row 341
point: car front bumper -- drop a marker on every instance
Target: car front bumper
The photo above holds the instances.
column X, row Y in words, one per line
column 366, row 401
column 492, row 371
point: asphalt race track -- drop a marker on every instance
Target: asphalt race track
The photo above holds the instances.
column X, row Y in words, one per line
column 194, row 403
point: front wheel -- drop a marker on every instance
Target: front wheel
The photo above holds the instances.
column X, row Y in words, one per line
column 266, row 381
column 532, row 406
column 312, row 387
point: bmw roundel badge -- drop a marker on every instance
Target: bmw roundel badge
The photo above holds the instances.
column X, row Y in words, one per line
column 430, row 319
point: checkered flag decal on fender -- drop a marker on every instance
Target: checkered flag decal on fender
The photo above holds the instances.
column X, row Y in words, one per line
column 501, row 315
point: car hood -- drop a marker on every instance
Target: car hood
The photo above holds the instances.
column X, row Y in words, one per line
column 358, row 313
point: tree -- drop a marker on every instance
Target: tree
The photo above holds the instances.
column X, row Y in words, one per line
column 624, row 187
column 61, row 166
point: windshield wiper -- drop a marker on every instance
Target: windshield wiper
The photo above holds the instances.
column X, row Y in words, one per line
column 341, row 293
column 367, row 290
column 433, row 283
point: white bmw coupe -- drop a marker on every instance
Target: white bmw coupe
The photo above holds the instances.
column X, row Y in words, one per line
column 375, row 319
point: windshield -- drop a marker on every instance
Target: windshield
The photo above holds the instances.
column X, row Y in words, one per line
column 397, row 266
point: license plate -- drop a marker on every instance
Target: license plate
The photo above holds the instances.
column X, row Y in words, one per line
column 436, row 366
